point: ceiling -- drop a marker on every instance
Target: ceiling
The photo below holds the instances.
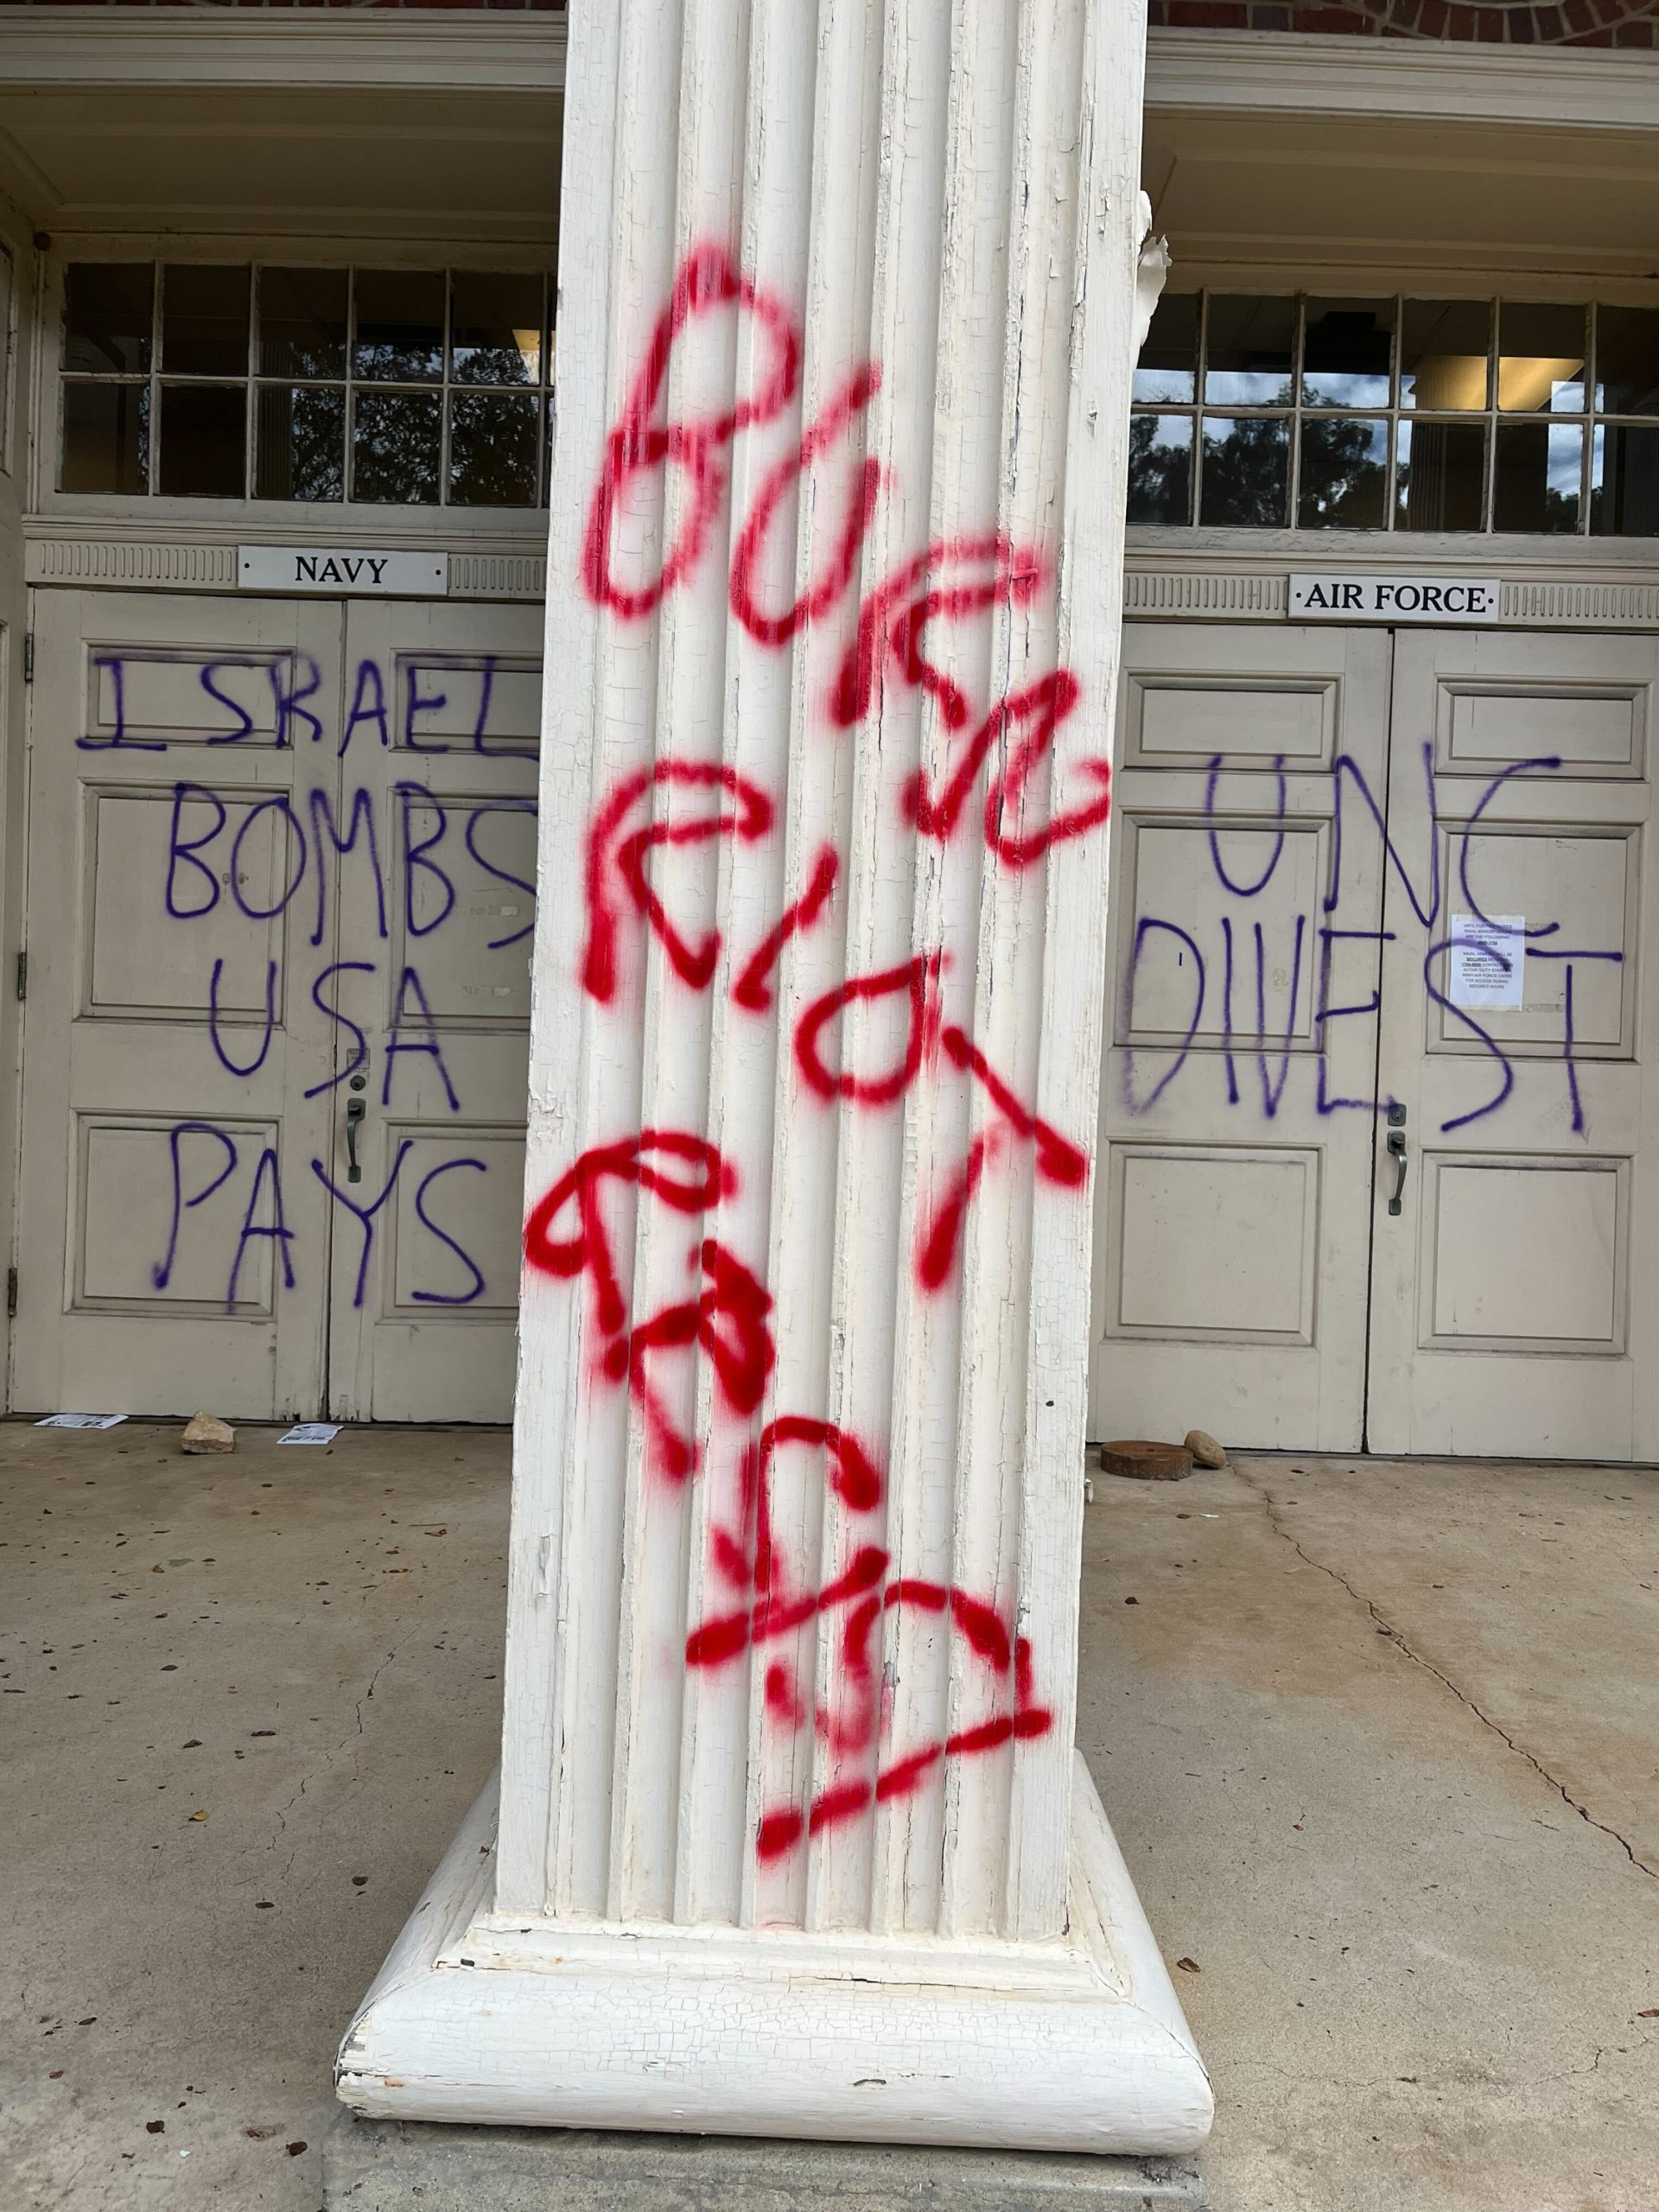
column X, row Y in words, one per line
column 1262, row 189
column 418, row 162
column 1300, row 190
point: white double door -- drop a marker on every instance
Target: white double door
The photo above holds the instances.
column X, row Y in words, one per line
column 280, row 895
column 1380, row 1125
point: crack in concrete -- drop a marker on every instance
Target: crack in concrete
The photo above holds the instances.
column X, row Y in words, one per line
column 1436, row 2084
column 1386, row 1628
column 350, row 1744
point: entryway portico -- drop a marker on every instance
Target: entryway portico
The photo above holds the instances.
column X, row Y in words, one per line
column 1284, row 168
column 1356, row 763
column 277, row 442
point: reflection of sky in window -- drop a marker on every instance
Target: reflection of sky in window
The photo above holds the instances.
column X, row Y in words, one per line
column 1328, row 389
column 1173, row 432
column 1565, row 456
column 1377, row 440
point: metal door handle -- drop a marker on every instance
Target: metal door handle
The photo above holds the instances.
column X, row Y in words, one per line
column 355, row 1110
column 1397, row 1154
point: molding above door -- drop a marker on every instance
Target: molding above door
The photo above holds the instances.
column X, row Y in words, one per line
column 1257, row 595
column 183, row 564
column 1289, row 72
column 74, row 48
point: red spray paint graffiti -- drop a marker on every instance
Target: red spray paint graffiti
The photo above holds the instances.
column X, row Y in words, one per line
column 753, row 989
column 867, row 1042
column 648, row 1161
column 850, row 1728
column 610, row 855
column 820, row 438
column 893, row 622
column 1058, row 1161
column 916, row 982
column 646, row 439
column 727, row 1322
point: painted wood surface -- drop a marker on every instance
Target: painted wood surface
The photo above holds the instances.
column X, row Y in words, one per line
column 836, row 568
column 788, row 1800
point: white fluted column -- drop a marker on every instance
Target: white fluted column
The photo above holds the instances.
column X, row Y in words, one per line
column 792, row 1836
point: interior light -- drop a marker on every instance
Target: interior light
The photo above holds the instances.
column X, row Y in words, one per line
column 1456, row 382
column 1527, row 383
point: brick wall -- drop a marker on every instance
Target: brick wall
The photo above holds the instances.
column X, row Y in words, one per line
column 1502, row 22
column 510, row 7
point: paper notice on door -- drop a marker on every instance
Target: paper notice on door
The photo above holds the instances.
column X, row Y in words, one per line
column 81, row 1421
column 312, row 1432
column 1488, row 960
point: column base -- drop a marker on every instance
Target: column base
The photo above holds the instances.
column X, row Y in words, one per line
column 1078, row 2045
column 385, row 2165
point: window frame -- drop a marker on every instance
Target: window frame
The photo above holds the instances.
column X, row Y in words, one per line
column 1390, row 540
column 222, row 516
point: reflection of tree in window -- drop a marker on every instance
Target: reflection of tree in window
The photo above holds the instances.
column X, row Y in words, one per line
column 395, row 444
column 302, row 450
column 1345, row 474
column 1160, row 470
column 1246, row 471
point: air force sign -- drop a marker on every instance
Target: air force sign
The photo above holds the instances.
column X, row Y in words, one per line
column 1334, row 597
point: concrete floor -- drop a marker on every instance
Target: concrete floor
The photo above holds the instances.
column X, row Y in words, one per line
column 1379, row 1742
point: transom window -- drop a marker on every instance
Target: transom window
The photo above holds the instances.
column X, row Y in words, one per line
column 1279, row 410
column 393, row 387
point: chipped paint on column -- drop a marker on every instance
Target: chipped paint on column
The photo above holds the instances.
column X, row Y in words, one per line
column 846, row 321
column 893, row 194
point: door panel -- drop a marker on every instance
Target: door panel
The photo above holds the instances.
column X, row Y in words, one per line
column 274, row 847
column 172, row 1248
column 1510, row 1290
column 426, row 1288
column 1239, row 1087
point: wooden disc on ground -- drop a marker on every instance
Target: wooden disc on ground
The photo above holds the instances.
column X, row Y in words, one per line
column 1147, row 1463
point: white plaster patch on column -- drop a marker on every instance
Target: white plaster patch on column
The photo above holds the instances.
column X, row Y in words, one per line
column 789, row 1803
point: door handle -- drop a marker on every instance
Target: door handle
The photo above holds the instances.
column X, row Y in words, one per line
column 355, row 1110
column 1397, row 1154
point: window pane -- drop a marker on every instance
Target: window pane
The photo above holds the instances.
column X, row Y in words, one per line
column 492, row 449
column 1627, row 360
column 1348, row 353
column 1249, row 351
column 396, row 437
column 1444, row 350
column 1246, row 471
column 105, row 438
column 1168, row 367
column 1625, row 481
column 399, row 325
column 1440, row 476
column 1540, row 359
column 107, row 312
column 1345, row 479
column 301, row 434
column 205, row 320
column 1539, row 468
column 496, row 329
column 204, row 432
column 302, row 322
column 1160, row 469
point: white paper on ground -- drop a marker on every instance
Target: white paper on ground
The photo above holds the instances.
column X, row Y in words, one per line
column 81, row 1421
column 312, row 1432
column 1488, row 960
